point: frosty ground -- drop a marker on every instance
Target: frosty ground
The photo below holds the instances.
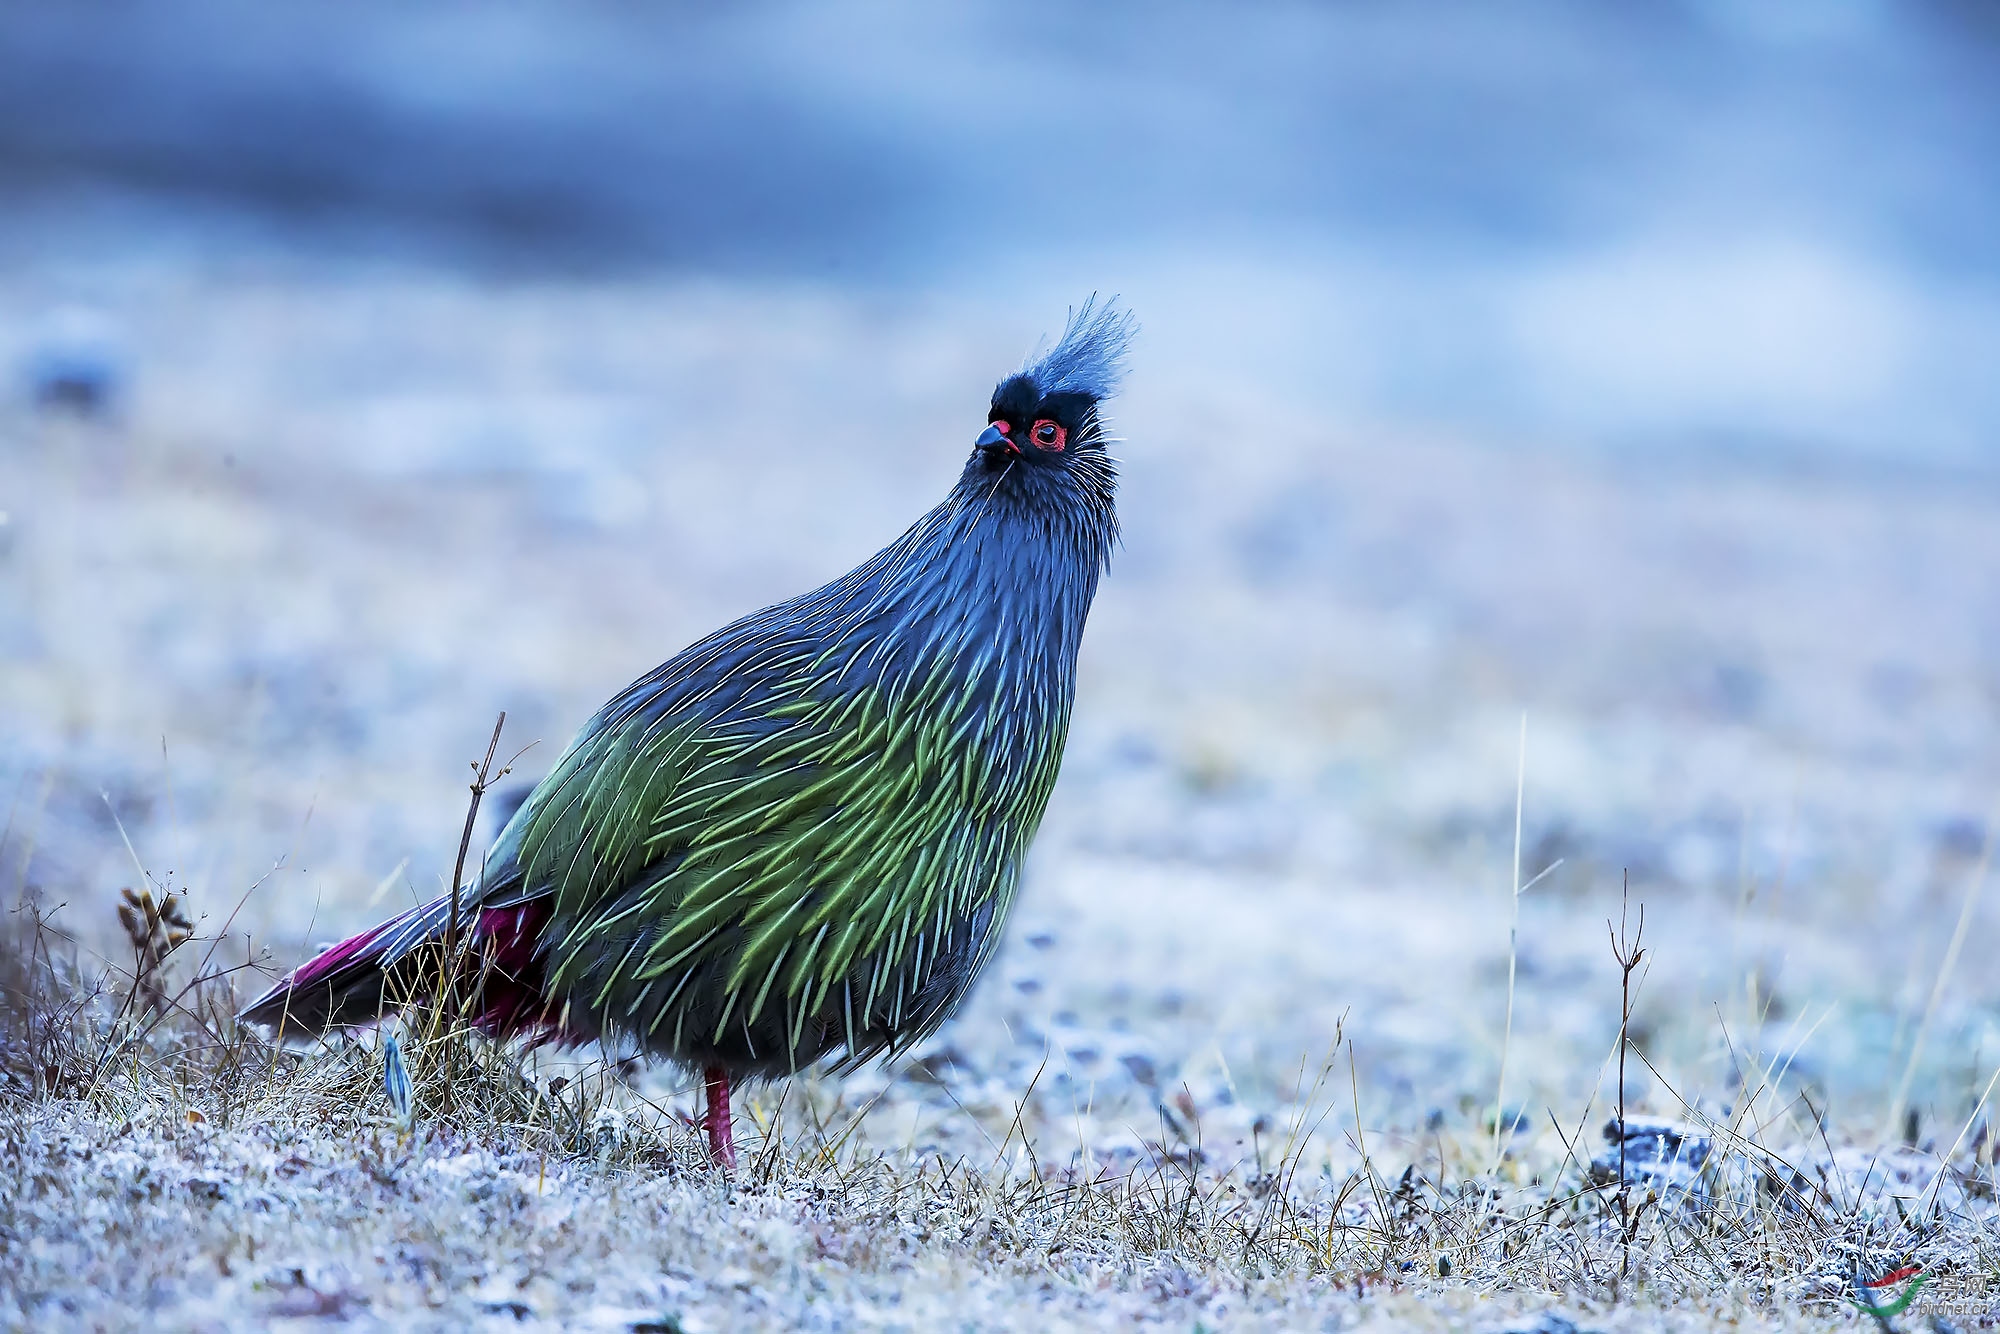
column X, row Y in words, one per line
column 260, row 612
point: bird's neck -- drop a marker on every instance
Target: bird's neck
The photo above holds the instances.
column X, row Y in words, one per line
column 1056, row 521
column 1029, row 550
column 999, row 578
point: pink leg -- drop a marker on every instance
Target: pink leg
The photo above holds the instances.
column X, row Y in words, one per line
column 721, row 1143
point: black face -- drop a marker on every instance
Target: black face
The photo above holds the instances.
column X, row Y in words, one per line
column 1042, row 428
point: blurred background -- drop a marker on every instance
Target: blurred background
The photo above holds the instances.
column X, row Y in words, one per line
column 369, row 371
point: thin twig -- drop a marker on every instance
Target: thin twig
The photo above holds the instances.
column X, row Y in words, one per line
column 479, row 784
column 1513, row 940
column 1628, row 953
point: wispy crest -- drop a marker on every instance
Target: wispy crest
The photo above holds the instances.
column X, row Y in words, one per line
column 1090, row 357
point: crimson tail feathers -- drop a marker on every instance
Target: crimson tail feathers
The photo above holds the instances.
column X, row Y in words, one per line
column 366, row 977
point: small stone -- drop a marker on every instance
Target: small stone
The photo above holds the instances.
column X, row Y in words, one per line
column 1664, row 1157
column 1548, row 1322
column 517, row 1309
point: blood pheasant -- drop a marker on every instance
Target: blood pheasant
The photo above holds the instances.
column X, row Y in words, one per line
column 797, row 839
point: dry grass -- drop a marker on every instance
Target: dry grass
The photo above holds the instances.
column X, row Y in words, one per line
column 164, row 1166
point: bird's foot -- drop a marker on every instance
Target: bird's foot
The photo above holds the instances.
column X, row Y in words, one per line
column 721, row 1140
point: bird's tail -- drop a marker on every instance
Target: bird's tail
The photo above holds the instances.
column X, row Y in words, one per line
column 387, row 967
column 357, row 981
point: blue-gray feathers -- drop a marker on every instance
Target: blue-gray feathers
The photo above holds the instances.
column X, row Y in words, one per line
column 1090, row 357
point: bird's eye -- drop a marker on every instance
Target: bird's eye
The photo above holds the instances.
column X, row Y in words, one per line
column 1050, row 435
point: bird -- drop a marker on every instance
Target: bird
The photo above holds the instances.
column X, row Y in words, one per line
column 796, row 841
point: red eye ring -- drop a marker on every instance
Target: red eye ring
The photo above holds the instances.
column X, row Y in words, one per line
column 1049, row 435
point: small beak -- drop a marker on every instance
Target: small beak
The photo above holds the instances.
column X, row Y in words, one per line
column 994, row 440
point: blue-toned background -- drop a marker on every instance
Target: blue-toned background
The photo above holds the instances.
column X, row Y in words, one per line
column 1756, row 227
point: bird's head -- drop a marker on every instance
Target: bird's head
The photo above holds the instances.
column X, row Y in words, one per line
column 1045, row 415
